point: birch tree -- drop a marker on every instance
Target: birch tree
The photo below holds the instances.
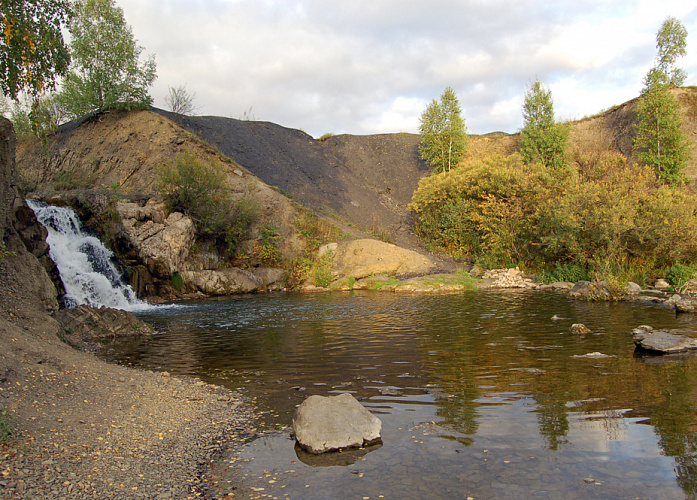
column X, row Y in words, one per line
column 443, row 132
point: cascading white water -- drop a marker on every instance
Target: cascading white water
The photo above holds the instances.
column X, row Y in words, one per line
column 86, row 266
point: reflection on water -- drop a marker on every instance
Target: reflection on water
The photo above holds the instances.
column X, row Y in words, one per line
column 482, row 394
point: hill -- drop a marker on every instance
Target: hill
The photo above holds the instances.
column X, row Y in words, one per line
column 366, row 181
column 361, row 183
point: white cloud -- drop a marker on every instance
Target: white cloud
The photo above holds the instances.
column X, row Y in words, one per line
column 366, row 67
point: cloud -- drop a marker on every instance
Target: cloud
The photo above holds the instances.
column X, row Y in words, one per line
column 368, row 67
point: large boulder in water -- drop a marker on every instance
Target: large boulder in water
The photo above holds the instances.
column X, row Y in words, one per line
column 331, row 423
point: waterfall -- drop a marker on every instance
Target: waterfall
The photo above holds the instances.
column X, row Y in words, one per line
column 87, row 268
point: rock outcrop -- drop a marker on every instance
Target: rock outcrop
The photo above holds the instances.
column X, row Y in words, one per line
column 230, row 281
column 21, row 251
column 365, row 257
column 162, row 240
column 508, row 278
column 8, row 191
column 323, row 424
column 82, row 325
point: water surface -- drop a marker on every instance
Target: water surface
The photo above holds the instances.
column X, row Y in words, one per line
column 481, row 394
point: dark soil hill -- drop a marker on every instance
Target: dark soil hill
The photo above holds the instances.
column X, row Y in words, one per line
column 365, row 181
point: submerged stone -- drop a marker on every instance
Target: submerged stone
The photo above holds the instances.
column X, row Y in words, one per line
column 579, row 329
column 323, row 424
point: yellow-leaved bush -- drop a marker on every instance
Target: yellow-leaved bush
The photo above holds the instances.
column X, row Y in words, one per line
column 604, row 214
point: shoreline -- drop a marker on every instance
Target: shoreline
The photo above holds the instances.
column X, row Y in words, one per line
column 87, row 428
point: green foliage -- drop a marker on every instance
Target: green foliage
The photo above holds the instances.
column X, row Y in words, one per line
column 32, row 50
column 316, row 231
column 443, row 132
column 19, row 116
column 322, row 271
column 385, row 282
column 680, row 274
column 106, row 72
column 660, row 141
column 200, row 190
column 266, row 248
column 326, row 136
column 671, row 42
column 565, row 272
column 36, row 117
column 177, row 281
column 605, row 216
column 4, row 252
column 541, row 139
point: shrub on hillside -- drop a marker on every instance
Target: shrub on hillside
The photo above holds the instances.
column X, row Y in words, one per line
column 606, row 216
column 200, row 189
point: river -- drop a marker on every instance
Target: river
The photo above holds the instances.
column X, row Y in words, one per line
column 484, row 394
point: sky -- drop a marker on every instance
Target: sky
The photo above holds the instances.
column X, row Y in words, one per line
column 372, row 66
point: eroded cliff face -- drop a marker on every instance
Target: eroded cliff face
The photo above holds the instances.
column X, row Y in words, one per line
column 25, row 265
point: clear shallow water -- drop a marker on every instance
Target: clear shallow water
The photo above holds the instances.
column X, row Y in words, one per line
column 481, row 395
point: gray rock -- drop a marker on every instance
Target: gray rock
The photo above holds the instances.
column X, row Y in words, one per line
column 632, row 288
column 561, row 285
column 477, row 271
column 642, row 331
column 665, row 342
column 323, row 424
column 593, row 355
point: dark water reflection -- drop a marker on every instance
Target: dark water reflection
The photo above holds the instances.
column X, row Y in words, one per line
column 481, row 395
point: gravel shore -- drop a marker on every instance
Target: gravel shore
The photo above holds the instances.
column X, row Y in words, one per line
column 85, row 428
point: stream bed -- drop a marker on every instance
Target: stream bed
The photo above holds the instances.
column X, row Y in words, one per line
column 484, row 394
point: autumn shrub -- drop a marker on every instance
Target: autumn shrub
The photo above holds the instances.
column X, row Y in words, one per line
column 200, row 190
column 603, row 216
